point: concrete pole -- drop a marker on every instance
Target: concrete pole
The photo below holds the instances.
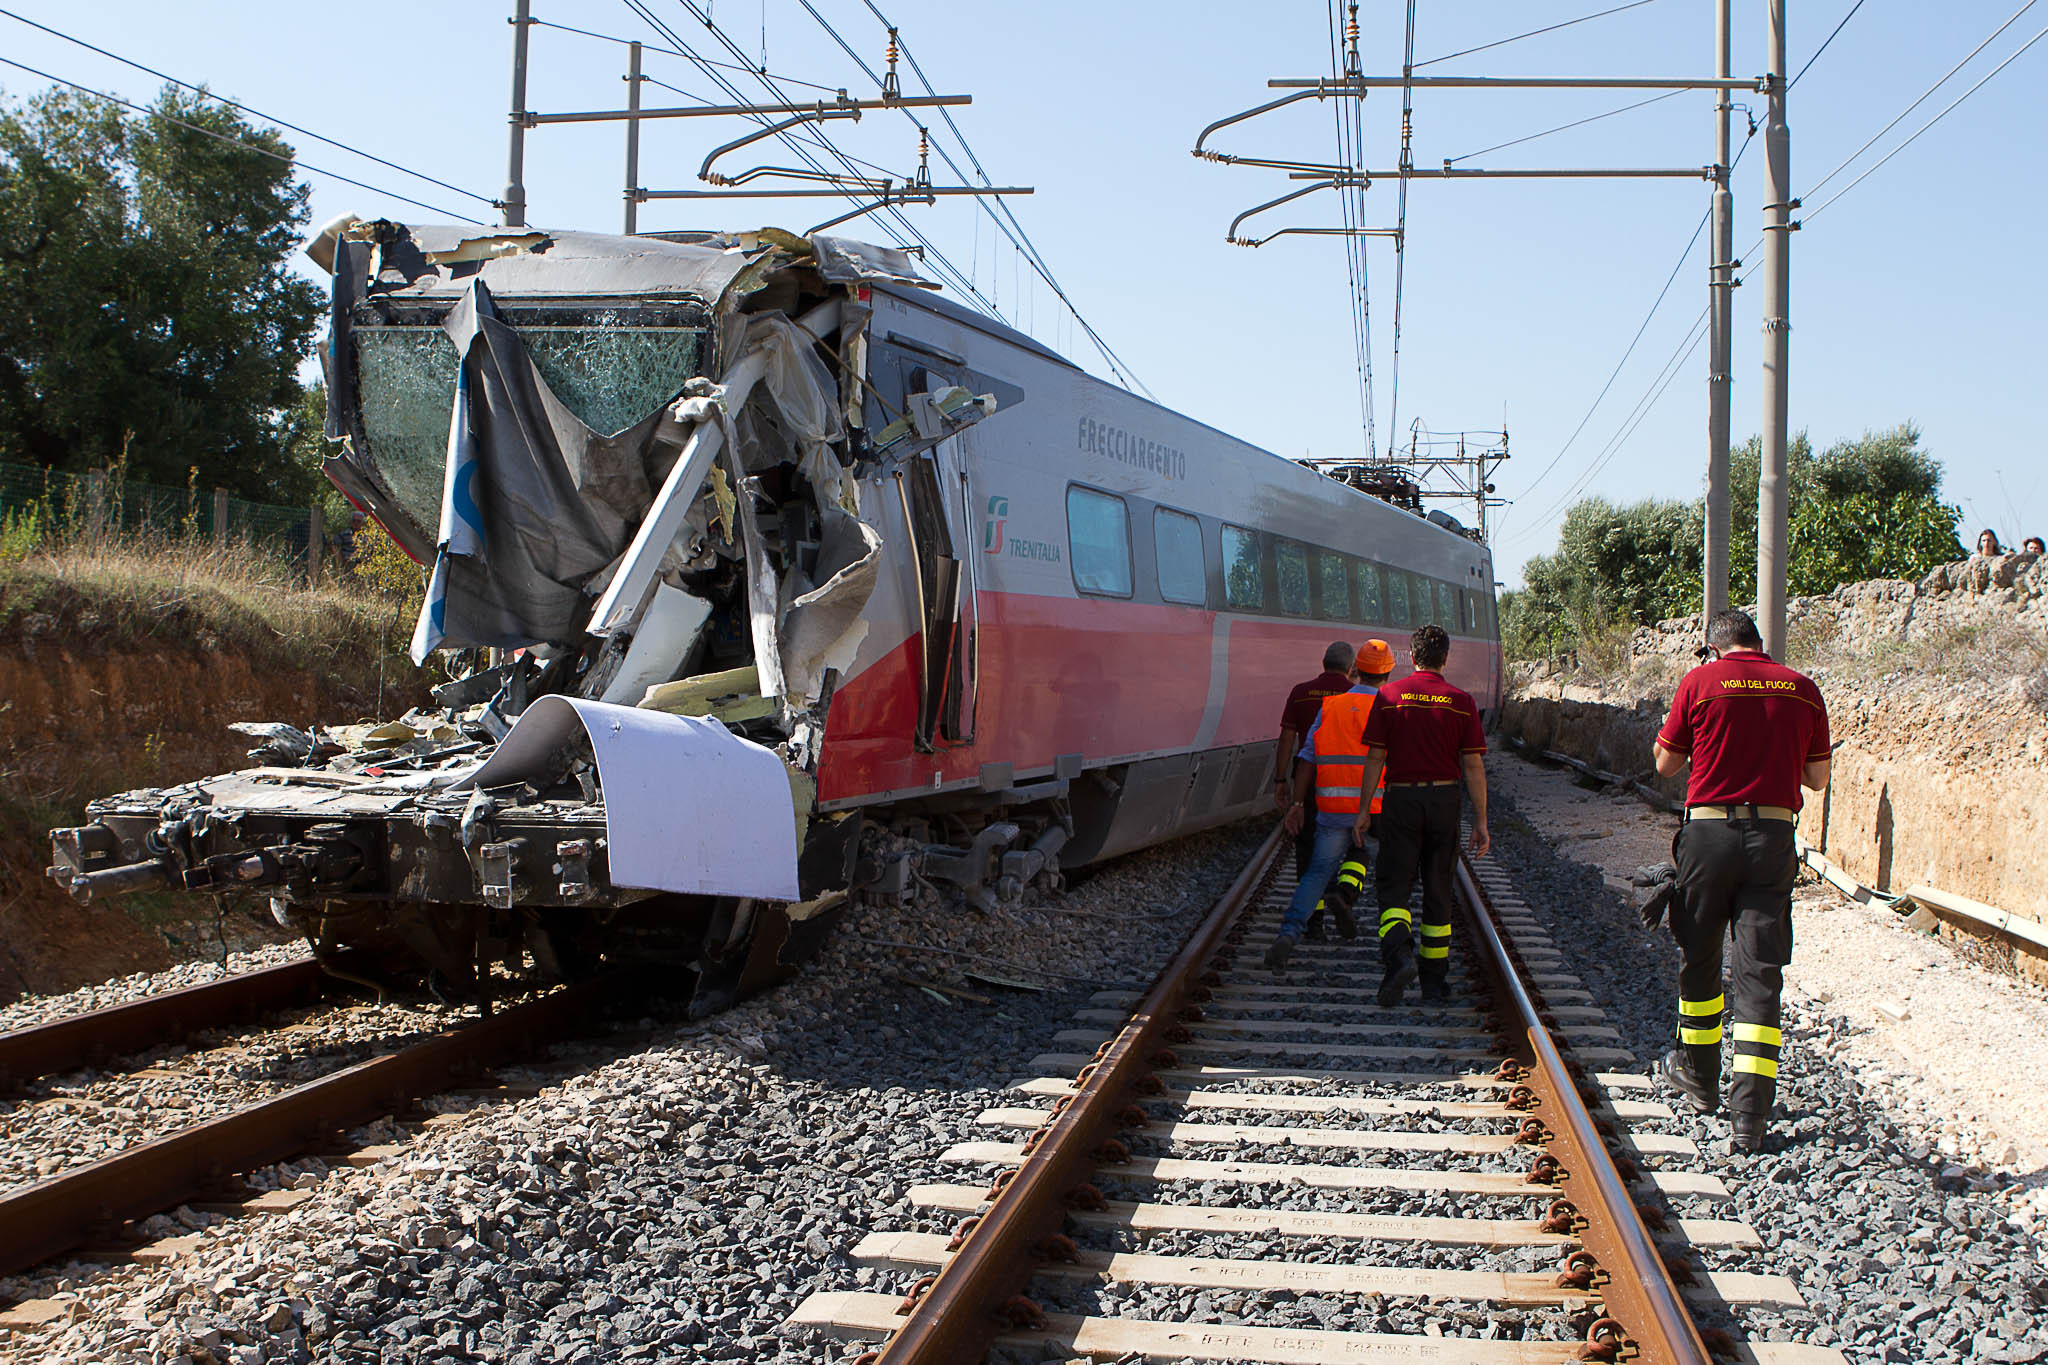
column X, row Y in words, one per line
column 633, row 139
column 220, row 517
column 1773, row 496
column 316, row 541
column 515, row 158
column 1720, row 365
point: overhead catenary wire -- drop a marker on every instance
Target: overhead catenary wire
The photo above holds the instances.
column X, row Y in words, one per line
column 672, row 52
column 288, row 159
column 1824, row 45
column 1000, row 214
column 1401, row 227
column 1817, row 209
column 941, row 264
column 1628, row 428
column 204, row 93
column 1615, row 374
column 892, row 219
column 1928, row 94
column 713, row 73
column 1565, row 127
column 1348, row 117
column 1657, row 391
column 1535, row 32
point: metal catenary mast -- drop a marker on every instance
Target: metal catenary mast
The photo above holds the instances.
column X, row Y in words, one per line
column 1354, row 84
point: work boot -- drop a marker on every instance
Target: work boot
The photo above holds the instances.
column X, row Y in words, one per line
column 1751, row 1136
column 1343, row 895
column 1435, row 990
column 1673, row 1071
column 1398, row 952
column 1276, row 955
column 1313, row 931
column 1347, row 923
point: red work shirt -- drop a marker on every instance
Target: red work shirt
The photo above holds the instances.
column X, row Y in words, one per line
column 1750, row 725
column 1305, row 702
column 1426, row 727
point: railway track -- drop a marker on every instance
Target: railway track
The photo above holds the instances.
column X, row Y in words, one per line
column 135, row 1026
column 1505, row 1115
column 95, row 1205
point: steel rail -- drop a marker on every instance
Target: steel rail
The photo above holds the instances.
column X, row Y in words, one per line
column 73, row 1207
column 1639, row 1295
column 83, row 1039
column 962, row 1312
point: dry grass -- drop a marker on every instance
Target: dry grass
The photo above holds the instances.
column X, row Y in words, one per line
column 1979, row 655
column 94, row 594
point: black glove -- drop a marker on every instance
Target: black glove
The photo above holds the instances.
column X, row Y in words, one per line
column 1660, row 884
column 1652, row 910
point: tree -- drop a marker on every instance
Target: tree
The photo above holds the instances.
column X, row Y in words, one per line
column 1613, row 566
column 1865, row 508
column 150, row 306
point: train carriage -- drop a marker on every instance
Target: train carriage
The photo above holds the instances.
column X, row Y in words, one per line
column 775, row 580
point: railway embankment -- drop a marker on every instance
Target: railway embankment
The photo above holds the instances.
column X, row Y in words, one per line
column 1938, row 699
column 122, row 667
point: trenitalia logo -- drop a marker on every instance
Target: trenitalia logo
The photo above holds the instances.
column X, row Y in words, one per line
column 992, row 529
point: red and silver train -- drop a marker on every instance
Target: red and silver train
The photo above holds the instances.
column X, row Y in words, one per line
column 794, row 544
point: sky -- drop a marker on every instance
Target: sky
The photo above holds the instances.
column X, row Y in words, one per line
column 1919, row 296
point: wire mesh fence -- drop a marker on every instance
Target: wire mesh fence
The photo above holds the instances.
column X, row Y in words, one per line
column 38, row 504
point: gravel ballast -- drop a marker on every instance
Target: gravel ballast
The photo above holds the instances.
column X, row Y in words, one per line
column 675, row 1196
column 672, row 1199
column 1901, row 1254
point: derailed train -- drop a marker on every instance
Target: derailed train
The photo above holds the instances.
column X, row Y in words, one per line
column 777, row 579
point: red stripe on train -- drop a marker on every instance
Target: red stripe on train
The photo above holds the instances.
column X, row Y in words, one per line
column 1103, row 679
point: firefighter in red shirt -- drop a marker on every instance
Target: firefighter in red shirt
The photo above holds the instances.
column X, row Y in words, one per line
column 1425, row 735
column 1754, row 731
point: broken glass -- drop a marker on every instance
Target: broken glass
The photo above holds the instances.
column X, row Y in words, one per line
column 610, row 376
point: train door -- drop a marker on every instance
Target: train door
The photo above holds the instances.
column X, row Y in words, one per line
column 938, row 501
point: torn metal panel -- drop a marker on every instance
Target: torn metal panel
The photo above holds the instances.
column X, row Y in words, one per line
column 822, row 625
column 717, row 833
column 667, row 634
column 843, row 260
column 487, row 248
column 766, row 355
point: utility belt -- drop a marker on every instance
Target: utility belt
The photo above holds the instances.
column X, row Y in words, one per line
column 1742, row 812
column 1446, row 782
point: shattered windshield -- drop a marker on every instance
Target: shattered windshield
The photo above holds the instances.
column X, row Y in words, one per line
column 610, row 376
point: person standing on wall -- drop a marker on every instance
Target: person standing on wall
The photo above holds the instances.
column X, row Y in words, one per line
column 1297, row 718
column 1328, row 778
column 1755, row 732
column 1425, row 735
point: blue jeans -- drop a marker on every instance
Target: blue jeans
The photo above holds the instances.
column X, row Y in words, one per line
column 1333, row 842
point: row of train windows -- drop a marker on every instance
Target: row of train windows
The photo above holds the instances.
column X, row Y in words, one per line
column 1311, row 581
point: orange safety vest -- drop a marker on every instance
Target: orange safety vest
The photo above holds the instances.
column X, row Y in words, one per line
column 1340, row 753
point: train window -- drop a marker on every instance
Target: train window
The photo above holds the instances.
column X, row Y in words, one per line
column 1429, row 603
column 1397, row 598
column 1369, row 608
column 1290, row 561
column 1336, row 574
column 1244, row 577
column 1099, row 530
column 1177, row 548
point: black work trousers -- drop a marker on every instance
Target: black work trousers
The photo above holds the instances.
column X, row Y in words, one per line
column 1418, row 829
column 1734, row 881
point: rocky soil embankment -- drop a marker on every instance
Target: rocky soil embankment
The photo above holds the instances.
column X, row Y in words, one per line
column 116, row 676
column 1938, row 699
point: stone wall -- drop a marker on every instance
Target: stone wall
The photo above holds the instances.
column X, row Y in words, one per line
column 1938, row 698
